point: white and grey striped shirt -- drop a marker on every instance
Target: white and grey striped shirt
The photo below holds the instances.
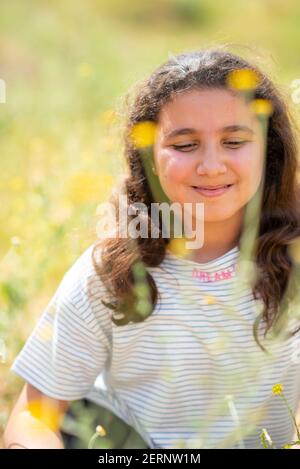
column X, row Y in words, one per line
column 189, row 376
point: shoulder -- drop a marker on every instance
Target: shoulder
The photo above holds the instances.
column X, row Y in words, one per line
column 81, row 286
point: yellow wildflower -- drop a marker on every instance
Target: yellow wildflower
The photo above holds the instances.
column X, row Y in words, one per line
column 210, row 300
column 100, row 430
column 45, row 411
column 262, row 106
column 243, row 79
column 143, row 134
column 177, row 246
column 277, row 389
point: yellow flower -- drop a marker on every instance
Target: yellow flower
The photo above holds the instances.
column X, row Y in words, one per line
column 46, row 412
column 262, row 106
column 177, row 246
column 277, row 389
column 210, row 300
column 100, row 430
column 243, row 79
column 143, row 134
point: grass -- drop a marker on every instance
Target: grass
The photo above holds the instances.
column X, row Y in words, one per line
column 66, row 65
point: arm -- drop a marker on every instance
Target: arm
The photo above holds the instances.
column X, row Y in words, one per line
column 30, row 429
column 67, row 349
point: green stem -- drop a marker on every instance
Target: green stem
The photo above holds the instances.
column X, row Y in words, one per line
column 292, row 415
column 92, row 440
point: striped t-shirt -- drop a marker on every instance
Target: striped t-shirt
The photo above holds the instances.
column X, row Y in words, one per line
column 188, row 376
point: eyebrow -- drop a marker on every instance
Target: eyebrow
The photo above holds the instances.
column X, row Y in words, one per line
column 228, row 128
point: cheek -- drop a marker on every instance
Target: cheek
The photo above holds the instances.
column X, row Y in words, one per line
column 173, row 168
column 248, row 167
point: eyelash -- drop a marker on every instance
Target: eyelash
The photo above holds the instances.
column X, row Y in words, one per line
column 178, row 147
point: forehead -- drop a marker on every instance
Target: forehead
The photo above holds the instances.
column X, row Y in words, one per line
column 206, row 110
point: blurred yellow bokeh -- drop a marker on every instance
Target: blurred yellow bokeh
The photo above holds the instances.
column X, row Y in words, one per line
column 89, row 187
column 46, row 411
column 262, row 107
column 178, row 246
column 243, row 79
column 143, row 134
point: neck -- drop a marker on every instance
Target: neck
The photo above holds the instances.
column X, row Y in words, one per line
column 219, row 238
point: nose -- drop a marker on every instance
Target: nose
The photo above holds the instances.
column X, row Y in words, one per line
column 211, row 161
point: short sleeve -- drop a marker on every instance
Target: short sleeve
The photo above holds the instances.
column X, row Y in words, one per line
column 71, row 343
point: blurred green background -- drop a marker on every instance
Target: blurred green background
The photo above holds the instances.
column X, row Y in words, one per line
column 67, row 65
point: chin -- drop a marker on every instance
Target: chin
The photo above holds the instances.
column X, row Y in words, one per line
column 218, row 215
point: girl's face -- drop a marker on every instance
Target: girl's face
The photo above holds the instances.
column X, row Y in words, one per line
column 222, row 143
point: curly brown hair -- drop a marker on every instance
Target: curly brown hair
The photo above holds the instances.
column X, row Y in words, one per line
column 279, row 222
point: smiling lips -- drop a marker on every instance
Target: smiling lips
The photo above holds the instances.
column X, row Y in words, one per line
column 212, row 191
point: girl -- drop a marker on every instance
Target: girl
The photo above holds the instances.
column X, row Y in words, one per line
column 196, row 368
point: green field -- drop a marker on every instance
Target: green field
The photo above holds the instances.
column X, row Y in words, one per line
column 67, row 66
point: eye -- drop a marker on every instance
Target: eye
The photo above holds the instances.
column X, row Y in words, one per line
column 181, row 147
column 235, row 143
